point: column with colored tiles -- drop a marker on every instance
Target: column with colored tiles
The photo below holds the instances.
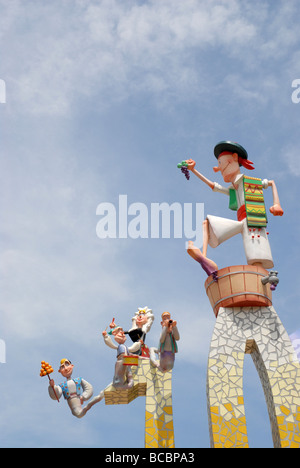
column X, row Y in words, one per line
column 248, row 327
column 159, row 430
column 157, row 387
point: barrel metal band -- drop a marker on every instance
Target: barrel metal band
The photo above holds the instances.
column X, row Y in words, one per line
column 235, row 273
column 242, row 294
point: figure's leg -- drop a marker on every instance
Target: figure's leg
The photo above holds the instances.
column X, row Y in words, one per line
column 167, row 359
column 95, row 400
column 119, row 377
column 153, row 360
column 76, row 408
column 205, row 236
column 257, row 246
column 209, row 266
column 225, row 400
column 215, row 231
column 129, row 378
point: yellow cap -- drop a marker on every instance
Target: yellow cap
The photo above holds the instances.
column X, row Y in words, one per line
column 64, row 360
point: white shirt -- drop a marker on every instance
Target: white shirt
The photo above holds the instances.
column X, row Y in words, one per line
column 239, row 188
column 86, row 387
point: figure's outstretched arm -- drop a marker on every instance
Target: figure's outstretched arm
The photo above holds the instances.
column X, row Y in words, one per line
column 108, row 341
column 191, row 167
column 55, row 391
column 276, row 209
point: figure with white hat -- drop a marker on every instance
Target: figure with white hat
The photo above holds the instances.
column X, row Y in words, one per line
column 141, row 325
column 122, row 376
column 75, row 390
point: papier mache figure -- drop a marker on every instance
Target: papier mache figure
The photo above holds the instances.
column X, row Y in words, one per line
column 246, row 197
column 167, row 344
column 75, row 391
column 141, row 324
column 122, row 376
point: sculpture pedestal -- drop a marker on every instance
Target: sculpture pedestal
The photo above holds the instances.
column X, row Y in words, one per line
column 115, row 396
column 157, row 387
column 255, row 330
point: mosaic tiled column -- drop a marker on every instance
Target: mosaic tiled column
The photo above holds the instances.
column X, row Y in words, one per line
column 259, row 332
column 157, row 387
column 246, row 322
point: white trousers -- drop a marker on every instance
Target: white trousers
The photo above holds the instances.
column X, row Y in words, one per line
column 78, row 410
column 256, row 243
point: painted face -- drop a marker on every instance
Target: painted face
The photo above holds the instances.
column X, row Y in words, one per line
column 119, row 336
column 165, row 319
column 66, row 369
column 141, row 320
column 228, row 166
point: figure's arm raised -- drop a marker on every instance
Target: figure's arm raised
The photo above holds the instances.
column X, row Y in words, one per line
column 191, row 167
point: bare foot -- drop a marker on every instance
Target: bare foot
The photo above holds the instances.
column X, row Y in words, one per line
column 194, row 252
column 208, row 265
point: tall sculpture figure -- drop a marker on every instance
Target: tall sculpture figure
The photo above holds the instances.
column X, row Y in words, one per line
column 246, row 321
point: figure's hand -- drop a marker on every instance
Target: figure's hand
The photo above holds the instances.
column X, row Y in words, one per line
column 276, row 210
column 191, row 164
column 51, row 382
column 104, row 333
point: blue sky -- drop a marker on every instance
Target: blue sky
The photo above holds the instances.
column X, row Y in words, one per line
column 104, row 98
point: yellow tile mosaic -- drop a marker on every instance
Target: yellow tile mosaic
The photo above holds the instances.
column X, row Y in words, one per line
column 157, row 387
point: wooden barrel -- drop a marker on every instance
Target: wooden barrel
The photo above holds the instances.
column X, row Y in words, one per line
column 131, row 360
column 238, row 286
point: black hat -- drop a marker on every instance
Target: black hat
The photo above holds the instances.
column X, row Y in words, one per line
column 232, row 147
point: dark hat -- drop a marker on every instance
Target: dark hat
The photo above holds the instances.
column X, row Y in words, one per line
column 232, row 147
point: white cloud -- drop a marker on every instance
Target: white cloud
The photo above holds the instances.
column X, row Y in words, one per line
column 113, row 49
column 60, row 282
column 291, row 155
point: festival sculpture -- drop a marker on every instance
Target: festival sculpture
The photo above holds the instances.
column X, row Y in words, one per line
column 246, row 321
column 135, row 375
column 122, row 376
column 75, row 390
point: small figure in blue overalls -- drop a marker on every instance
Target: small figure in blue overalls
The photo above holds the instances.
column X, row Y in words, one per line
column 75, row 391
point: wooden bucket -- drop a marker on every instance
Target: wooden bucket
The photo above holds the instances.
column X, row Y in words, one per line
column 238, row 286
column 131, row 360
